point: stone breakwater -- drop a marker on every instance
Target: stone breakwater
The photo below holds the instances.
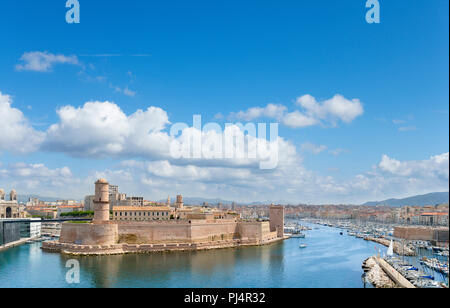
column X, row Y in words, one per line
column 93, row 250
column 398, row 248
column 375, row 274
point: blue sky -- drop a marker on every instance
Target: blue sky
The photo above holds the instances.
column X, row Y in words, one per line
column 218, row 58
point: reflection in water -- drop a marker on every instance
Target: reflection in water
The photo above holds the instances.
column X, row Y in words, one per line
column 330, row 260
column 157, row 268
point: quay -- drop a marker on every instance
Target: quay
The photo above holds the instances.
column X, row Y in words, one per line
column 15, row 243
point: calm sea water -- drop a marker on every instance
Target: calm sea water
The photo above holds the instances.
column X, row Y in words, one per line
column 330, row 260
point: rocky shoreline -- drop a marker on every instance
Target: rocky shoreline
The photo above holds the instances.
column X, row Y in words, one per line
column 375, row 274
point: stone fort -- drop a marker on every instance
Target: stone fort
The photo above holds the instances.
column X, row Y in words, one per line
column 105, row 236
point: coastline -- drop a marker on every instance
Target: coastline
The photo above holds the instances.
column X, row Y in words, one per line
column 116, row 249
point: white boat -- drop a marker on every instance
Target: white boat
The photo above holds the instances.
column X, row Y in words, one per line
column 302, row 246
column 299, row 235
column 390, row 251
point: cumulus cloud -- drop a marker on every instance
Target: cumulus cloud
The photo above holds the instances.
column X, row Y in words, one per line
column 434, row 167
column 270, row 111
column 102, row 129
column 331, row 111
column 296, row 119
column 336, row 108
column 16, row 133
column 39, row 179
column 39, row 61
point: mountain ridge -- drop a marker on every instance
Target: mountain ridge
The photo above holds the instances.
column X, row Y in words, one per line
column 417, row 200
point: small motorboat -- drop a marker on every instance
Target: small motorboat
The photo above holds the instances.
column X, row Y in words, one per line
column 302, row 246
column 298, row 235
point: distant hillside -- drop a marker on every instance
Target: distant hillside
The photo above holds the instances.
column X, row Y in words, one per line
column 419, row 200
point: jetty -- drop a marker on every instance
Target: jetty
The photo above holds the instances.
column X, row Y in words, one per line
column 382, row 275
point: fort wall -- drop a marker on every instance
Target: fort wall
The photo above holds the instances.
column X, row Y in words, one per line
column 103, row 236
column 153, row 232
column 436, row 235
column 89, row 234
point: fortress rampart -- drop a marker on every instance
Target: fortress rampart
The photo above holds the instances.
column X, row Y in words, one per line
column 89, row 234
column 112, row 237
column 436, row 235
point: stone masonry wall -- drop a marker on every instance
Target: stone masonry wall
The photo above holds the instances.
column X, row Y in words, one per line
column 89, row 234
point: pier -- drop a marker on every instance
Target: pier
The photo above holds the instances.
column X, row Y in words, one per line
column 394, row 274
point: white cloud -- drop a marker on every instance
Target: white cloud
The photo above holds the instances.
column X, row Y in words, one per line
column 39, row 179
column 434, row 167
column 270, row 111
column 333, row 109
column 16, row 134
column 102, row 129
column 297, row 119
column 39, row 61
column 337, row 108
column 125, row 91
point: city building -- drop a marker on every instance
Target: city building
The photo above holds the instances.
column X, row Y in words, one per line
column 10, row 208
column 141, row 213
column 68, row 209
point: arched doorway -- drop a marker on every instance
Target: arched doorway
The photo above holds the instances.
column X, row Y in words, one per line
column 8, row 212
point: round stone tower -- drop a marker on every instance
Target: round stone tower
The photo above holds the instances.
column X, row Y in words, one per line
column 101, row 201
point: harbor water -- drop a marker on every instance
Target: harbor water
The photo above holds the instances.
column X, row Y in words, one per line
column 330, row 260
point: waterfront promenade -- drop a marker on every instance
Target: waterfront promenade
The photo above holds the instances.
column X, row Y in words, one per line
column 14, row 244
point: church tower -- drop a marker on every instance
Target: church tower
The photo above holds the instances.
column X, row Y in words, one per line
column 13, row 195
